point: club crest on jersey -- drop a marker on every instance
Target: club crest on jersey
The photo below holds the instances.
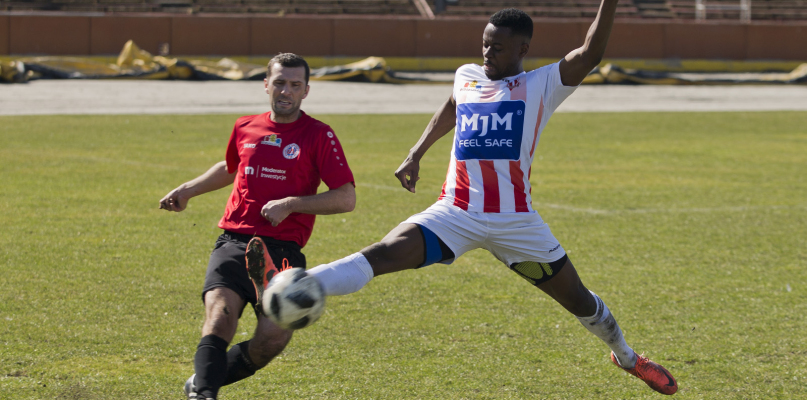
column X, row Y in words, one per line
column 472, row 86
column 489, row 131
column 291, row 151
column 513, row 84
column 271, row 140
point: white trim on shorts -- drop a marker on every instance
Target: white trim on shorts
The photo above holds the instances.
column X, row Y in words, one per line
column 510, row 237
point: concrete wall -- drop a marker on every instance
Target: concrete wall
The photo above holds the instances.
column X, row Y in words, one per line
column 249, row 35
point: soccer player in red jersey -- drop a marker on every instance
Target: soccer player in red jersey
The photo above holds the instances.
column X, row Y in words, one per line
column 276, row 161
column 499, row 111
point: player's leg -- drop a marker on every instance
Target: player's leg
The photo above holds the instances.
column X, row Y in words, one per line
column 438, row 234
column 264, row 258
column 246, row 358
column 560, row 281
column 226, row 288
column 222, row 309
column 402, row 248
column 515, row 239
column 565, row 287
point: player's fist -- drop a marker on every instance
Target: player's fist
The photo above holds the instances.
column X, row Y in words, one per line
column 174, row 201
column 275, row 211
column 407, row 173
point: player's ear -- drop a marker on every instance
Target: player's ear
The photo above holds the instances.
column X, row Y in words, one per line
column 525, row 48
column 266, row 85
column 306, row 91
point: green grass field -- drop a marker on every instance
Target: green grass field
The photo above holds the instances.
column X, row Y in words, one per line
column 692, row 227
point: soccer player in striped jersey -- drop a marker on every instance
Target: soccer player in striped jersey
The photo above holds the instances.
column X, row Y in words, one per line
column 498, row 112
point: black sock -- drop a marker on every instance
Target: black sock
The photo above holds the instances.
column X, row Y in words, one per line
column 210, row 364
column 239, row 365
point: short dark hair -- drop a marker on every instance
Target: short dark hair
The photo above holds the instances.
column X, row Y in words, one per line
column 518, row 21
column 289, row 60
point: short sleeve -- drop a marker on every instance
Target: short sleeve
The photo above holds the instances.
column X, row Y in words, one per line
column 232, row 157
column 331, row 162
column 555, row 92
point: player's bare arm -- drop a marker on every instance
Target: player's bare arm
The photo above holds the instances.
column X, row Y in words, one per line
column 215, row 178
column 334, row 201
column 441, row 123
column 579, row 62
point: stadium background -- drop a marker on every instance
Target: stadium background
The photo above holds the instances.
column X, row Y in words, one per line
column 690, row 223
column 646, row 29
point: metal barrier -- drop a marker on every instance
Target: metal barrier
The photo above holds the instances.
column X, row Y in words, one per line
column 744, row 7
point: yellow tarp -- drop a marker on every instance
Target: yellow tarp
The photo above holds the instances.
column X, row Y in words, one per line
column 135, row 63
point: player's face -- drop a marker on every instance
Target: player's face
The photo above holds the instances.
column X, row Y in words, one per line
column 286, row 88
column 502, row 52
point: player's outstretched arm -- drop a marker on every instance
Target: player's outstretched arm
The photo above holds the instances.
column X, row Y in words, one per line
column 441, row 123
column 579, row 62
column 334, row 201
column 215, row 178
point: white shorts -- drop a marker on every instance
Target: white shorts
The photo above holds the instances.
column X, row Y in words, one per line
column 510, row 237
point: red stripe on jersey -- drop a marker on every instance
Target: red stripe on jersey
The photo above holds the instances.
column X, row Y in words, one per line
column 490, row 183
column 462, row 189
column 517, row 178
column 443, row 190
column 537, row 127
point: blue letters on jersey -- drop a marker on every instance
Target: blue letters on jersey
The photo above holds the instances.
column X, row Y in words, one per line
column 489, row 131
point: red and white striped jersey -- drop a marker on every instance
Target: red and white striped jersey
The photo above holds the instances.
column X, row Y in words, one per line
column 498, row 126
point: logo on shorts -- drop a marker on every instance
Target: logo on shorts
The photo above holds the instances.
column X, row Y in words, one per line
column 291, row 151
column 271, row 140
column 556, row 247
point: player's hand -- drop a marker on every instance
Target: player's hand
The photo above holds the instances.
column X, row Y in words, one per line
column 276, row 211
column 175, row 200
column 407, row 173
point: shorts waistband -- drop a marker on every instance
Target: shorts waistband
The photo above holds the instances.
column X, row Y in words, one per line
column 242, row 237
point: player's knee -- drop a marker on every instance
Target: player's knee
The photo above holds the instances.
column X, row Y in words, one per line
column 389, row 256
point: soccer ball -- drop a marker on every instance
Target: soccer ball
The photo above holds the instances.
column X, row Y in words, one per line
column 293, row 299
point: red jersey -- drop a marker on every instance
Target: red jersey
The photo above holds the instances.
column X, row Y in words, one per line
column 275, row 161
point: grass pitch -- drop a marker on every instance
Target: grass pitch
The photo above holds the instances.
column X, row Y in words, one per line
column 691, row 227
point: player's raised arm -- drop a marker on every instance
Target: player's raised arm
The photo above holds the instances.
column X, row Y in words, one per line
column 579, row 62
column 441, row 123
column 215, row 178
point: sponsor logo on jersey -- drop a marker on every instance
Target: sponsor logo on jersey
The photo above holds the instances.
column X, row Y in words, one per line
column 330, row 134
column 291, row 151
column 273, row 171
column 250, row 145
column 472, row 86
column 271, row 140
column 249, row 171
column 489, row 131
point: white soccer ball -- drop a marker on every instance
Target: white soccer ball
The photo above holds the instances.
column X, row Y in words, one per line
column 293, row 299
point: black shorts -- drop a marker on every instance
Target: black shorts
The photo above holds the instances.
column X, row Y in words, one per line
column 228, row 264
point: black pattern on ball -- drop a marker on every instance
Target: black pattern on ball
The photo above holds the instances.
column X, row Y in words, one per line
column 301, row 299
column 299, row 324
column 299, row 273
column 294, row 299
column 275, row 305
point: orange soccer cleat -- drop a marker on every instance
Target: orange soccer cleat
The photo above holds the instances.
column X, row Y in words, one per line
column 654, row 375
column 260, row 268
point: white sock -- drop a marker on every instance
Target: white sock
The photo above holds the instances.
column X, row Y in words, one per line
column 603, row 325
column 343, row 276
